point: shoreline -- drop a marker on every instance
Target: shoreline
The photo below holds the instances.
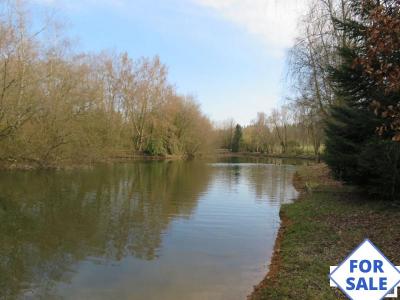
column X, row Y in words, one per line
column 264, row 155
column 67, row 165
column 276, row 260
column 30, row 165
column 319, row 229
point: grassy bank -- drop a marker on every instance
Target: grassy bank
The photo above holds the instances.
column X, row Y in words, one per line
column 319, row 230
column 11, row 164
column 256, row 154
column 73, row 164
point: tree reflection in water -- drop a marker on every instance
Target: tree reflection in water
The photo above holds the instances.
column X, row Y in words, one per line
column 51, row 220
column 87, row 233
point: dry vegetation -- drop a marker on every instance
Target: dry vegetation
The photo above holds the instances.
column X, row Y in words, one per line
column 60, row 106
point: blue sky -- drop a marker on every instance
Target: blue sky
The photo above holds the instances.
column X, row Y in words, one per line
column 230, row 54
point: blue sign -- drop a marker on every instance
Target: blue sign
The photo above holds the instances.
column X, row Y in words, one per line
column 366, row 274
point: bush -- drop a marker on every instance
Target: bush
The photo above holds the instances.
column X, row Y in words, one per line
column 155, row 147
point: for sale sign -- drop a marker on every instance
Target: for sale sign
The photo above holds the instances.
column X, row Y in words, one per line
column 366, row 274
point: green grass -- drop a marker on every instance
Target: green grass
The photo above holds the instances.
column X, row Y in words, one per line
column 322, row 228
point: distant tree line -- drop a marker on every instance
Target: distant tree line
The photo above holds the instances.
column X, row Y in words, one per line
column 282, row 132
column 57, row 105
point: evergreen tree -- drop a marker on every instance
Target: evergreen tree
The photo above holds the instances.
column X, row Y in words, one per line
column 237, row 139
column 361, row 145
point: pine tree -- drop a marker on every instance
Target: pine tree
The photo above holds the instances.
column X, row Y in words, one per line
column 237, row 139
column 360, row 143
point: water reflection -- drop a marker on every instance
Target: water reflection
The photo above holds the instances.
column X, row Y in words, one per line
column 272, row 183
column 51, row 220
column 59, row 227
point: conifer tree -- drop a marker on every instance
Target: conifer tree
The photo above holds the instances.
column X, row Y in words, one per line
column 361, row 135
column 237, row 139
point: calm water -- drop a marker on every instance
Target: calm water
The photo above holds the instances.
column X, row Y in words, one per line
column 145, row 230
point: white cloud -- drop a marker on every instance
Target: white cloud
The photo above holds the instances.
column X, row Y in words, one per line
column 274, row 21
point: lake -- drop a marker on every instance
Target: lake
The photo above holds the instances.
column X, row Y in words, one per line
column 141, row 230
